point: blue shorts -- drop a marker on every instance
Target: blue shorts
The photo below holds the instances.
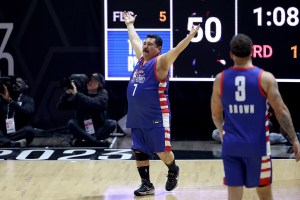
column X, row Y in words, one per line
column 247, row 171
column 151, row 140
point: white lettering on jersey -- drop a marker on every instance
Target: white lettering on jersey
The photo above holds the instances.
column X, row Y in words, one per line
column 241, row 109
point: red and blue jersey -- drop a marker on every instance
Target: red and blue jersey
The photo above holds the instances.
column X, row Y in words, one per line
column 245, row 105
column 147, row 96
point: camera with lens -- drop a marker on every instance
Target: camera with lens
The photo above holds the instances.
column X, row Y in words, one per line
column 80, row 81
column 10, row 82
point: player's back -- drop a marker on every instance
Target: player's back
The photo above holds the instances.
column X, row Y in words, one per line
column 245, row 113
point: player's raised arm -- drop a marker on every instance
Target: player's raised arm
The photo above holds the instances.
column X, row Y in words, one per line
column 167, row 59
column 134, row 38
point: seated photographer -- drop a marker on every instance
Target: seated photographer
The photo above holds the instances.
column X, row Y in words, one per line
column 16, row 111
column 91, row 126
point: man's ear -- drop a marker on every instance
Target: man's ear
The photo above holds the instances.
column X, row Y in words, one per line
column 160, row 48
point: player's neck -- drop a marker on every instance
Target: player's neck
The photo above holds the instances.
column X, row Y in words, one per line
column 245, row 64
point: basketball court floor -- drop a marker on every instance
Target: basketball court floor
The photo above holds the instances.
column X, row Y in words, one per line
column 52, row 170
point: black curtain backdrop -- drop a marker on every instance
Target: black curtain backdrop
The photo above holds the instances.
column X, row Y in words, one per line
column 52, row 39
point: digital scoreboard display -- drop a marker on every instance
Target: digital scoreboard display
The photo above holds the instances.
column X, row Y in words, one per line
column 273, row 26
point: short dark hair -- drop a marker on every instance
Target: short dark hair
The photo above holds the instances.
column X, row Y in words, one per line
column 241, row 45
column 100, row 78
column 158, row 40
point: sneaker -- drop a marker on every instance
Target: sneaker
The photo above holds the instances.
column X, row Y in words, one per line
column 78, row 143
column 172, row 181
column 146, row 188
column 23, row 142
column 104, row 143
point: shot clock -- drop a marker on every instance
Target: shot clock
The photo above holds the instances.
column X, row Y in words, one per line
column 273, row 26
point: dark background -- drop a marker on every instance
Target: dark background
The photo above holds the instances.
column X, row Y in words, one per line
column 54, row 39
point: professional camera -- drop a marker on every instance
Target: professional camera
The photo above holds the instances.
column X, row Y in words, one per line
column 10, row 82
column 80, row 81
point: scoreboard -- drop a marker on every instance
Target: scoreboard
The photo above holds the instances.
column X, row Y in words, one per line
column 273, row 26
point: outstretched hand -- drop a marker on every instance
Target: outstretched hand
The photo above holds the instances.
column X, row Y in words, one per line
column 194, row 30
column 128, row 17
column 72, row 90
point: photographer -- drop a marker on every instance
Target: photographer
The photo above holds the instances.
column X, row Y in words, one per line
column 16, row 111
column 91, row 126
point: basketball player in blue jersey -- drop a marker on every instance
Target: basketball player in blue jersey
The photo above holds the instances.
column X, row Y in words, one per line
column 239, row 103
column 148, row 104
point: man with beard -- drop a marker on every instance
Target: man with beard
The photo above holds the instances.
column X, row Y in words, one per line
column 16, row 111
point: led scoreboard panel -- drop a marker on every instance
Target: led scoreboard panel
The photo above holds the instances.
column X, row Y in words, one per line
column 153, row 17
column 273, row 26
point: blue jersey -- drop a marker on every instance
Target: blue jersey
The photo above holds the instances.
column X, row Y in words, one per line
column 148, row 101
column 245, row 127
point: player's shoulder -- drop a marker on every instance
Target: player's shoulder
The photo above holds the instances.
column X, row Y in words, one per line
column 267, row 75
column 218, row 79
column 267, row 80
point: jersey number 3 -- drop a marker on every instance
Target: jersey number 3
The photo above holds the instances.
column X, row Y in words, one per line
column 240, row 93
